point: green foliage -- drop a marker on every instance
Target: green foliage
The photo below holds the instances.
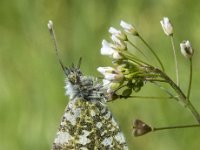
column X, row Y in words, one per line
column 32, row 97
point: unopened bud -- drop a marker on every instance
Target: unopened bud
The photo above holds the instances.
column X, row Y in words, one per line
column 128, row 28
column 50, row 24
column 119, row 44
column 141, row 128
column 167, row 26
column 186, row 49
column 111, row 74
column 119, row 34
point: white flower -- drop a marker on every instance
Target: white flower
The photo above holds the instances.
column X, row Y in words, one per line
column 116, row 55
column 118, row 43
column 119, row 34
column 111, row 74
column 104, row 70
column 50, row 24
column 107, row 85
column 110, row 86
column 167, row 26
column 186, row 49
column 108, row 49
column 106, row 82
column 128, row 28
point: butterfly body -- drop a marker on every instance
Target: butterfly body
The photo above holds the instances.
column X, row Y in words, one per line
column 87, row 123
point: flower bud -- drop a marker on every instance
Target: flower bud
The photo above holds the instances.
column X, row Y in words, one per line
column 111, row 74
column 167, row 26
column 104, row 70
column 116, row 55
column 120, row 45
column 141, row 128
column 119, row 34
column 110, row 88
column 50, row 24
column 128, row 28
column 186, row 49
column 115, row 85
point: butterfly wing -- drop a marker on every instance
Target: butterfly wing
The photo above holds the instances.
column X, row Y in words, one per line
column 88, row 125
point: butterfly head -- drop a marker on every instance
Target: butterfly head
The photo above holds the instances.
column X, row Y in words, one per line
column 73, row 75
column 80, row 86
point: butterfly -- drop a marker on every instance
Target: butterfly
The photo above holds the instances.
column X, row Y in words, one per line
column 87, row 123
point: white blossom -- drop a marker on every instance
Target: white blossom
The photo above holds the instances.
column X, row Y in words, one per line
column 110, row 86
column 167, row 26
column 106, row 82
column 108, row 49
column 118, row 43
column 128, row 28
column 116, row 55
column 50, row 24
column 104, row 70
column 119, row 34
column 111, row 74
column 186, row 49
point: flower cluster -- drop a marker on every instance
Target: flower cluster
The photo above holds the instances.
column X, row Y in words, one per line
column 126, row 73
column 130, row 72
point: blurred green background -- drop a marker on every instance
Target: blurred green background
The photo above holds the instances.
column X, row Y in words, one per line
column 32, row 97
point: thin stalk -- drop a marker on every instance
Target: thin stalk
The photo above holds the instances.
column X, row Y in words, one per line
column 134, row 59
column 181, row 95
column 175, row 60
column 142, row 97
column 141, row 74
column 137, row 48
column 190, row 80
column 165, row 90
column 153, row 52
column 176, row 127
column 151, row 97
column 155, row 80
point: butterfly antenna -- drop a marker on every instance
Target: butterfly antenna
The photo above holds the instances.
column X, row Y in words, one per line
column 53, row 36
column 79, row 63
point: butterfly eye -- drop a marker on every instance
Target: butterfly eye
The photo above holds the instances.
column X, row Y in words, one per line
column 72, row 78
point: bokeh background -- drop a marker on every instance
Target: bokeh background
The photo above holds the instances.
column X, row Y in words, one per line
column 32, row 97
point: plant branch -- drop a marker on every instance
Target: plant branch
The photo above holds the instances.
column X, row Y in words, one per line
column 175, row 60
column 181, row 95
column 190, row 80
column 153, row 52
column 176, row 127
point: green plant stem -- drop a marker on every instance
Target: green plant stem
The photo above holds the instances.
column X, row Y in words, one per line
column 142, row 97
column 165, row 90
column 133, row 58
column 175, row 60
column 190, row 80
column 176, row 127
column 137, row 48
column 154, row 80
column 153, row 52
column 181, row 95
column 151, row 97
